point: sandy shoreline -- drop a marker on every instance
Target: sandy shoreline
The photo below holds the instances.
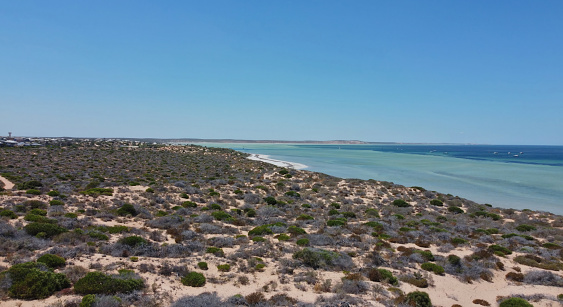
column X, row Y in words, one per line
column 267, row 159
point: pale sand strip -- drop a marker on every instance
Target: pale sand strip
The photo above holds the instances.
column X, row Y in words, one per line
column 8, row 185
column 267, row 159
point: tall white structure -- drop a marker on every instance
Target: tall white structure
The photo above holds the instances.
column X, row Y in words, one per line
column 9, row 135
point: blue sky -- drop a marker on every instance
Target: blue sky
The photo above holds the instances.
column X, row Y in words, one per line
column 404, row 71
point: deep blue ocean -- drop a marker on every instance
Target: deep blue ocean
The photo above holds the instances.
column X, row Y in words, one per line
column 509, row 176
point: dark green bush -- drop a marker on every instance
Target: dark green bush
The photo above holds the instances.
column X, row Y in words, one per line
column 88, row 301
column 372, row 212
column 133, row 241
column 418, row 299
column 100, row 283
column 53, row 193
column 52, row 261
column 497, row 248
column 33, row 192
column 294, row 230
column 30, row 217
column 456, row 210
column 189, row 204
column 429, row 266
column 436, row 202
column 221, row 215
column 292, row 194
column 127, row 209
column 318, row 258
column 270, row 200
column 193, row 279
column 223, row 267
column 401, row 203
column 98, row 191
column 202, row 265
column 31, row 280
column 260, row 230
column 216, row 251
column 50, row 230
column 56, row 202
column 9, row 213
column 333, row 212
column 302, row 242
column 525, row 227
column 515, row 302
column 304, row 217
column 336, row 222
column 349, row 215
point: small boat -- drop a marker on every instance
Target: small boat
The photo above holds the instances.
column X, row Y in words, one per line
column 516, row 155
column 496, row 153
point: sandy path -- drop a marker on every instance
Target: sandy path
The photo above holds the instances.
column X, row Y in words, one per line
column 8, row 185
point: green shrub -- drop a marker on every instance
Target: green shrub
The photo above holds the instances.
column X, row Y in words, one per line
column 100, row 283
column 98, row 235
column 88, row 301
column 304, row 217
column 221, row 215
column 457, row 241
column 52, row 261
column 189, row 204
column 307, row 206
column 224, row 267
column 387, row 276
column 30, row 217
column 98, row 191
column 336, row 222
column 56, row 202
column 258, row 239
column 294, row 230
column 31, row 280
column 429, row 266
column 216, row 251
column 454, row 260
column 133, row 241
column 270, row 200
column 372, row 212
column 497, row 248
column 33, row 192
column 292, row 194
column 401, row 203
column 251, row 213
column 193, row 279
column 524, row 228
column 49, row 230
column 302, row 242
column 149, row 190
column 418, row 299
column 316, row 258
column 333, row 212
column 9, row 213
column 33, row 204
column 260, row 230
column 53, row 193
column 202, row 265
column 348, row 214
column 283, row 237
column 427, row 255
column 215, row 207
column 455, row 210
column 127, row 209
column 515, row 302
column 32, row 184
column 436, row 202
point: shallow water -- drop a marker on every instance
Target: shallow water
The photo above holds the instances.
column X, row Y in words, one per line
column 505, row 176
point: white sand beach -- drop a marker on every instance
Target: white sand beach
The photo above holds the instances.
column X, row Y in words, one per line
column 267, row 159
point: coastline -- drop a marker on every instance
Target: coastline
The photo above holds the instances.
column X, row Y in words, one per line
column 267, row 159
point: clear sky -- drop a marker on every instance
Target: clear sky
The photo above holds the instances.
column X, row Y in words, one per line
column 404, row 71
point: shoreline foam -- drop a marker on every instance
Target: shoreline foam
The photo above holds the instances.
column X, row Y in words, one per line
column 267, row 159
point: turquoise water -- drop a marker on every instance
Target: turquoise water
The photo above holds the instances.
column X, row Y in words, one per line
column 505, row 176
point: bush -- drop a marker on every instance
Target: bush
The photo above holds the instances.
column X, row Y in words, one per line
column 202, row 265
column 221, row 215
column 319, row 258
column 515, row 302
column 133, row 241
column 9, row 213
column 400, row 203
column 100, row 283
column 53, row 193
column 302, row 242
column 519, row 277
column 97, row 192
column 497, row 248
column 294, row 230
column 189, row 204
column 429, row 266
column 283, row 237
column 260, row 230
column 127, row 209
column 56, row 202
column 436, row 202
column 270, row 200
column 224, row 267
column 336, row 222
column 524, row 228
column 193, row 279
column 52, row 261
column 31, row 280
column 418, row 299
column 304, row 217
column 88, row 300
column 382, row 275
column 216, row 251
column 33, row 192
column 455, row 210
column 49, row 230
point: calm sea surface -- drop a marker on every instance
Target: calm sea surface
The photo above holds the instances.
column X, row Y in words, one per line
column 505, row 176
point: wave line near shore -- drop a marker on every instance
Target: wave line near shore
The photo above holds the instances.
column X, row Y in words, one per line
column 267, row 159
